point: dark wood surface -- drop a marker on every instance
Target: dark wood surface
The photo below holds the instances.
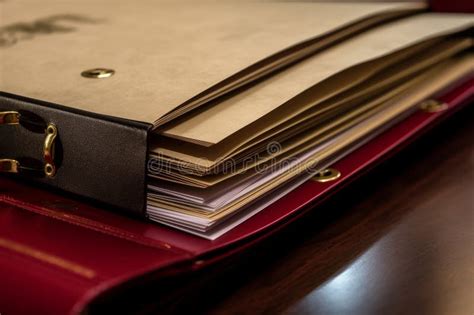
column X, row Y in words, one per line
column 398, row 241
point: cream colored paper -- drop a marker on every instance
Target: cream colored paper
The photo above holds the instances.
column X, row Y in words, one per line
column 164, row 53
column 224, row 119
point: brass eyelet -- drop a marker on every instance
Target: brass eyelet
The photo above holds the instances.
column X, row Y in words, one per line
column 327, row 175
column 98, row 73
column 433, row 106
column 49, row 170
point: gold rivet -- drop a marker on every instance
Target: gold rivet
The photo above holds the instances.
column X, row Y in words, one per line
column 327, row 175
column 49, row 170
column 98, row 73
column 433, row 106
column 51, row 129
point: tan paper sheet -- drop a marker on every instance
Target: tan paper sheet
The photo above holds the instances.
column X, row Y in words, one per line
column 322, row 132
column 224, row 119
column 298, row 144
column 441, row 77
column 308, row 139
column 374, row 75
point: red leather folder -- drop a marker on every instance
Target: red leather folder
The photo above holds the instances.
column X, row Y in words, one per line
column 58, row 254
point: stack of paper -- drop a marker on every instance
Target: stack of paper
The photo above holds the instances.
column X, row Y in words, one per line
column 222, row 163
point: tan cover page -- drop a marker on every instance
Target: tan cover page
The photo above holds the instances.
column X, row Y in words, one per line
column 235, row 113
column 163, row 52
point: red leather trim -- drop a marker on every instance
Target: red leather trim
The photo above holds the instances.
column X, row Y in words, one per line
column 53, row 264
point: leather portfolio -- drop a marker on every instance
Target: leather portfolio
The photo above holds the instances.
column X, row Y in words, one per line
column 139, row 142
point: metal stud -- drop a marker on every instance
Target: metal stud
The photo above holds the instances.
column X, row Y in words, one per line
column 98, row 73
column 433, row 106
column 327, row 175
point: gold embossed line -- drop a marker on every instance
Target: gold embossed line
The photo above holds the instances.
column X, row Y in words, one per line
column 47, row 258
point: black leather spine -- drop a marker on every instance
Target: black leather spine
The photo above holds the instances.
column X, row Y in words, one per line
column 98, row 157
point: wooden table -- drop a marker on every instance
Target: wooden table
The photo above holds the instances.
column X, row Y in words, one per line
column 400, row 240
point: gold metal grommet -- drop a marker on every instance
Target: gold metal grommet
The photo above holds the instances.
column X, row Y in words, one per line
column 433, row 106
column 327, row 175
column 51, row 129
column 98, row 73
column 49, row 170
